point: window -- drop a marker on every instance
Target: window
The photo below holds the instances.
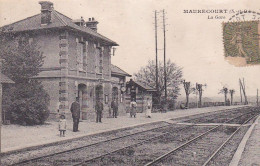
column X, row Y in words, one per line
column 99, row 60
column 80, row 51
column 100, row 63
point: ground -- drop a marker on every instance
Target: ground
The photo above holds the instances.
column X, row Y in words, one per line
column 17, row 137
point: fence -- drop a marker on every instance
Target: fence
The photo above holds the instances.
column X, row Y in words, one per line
column 205, row 104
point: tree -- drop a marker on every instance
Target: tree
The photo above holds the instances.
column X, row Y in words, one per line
column 224, row 91
column 27, row 102
column 173, row 77
column 200, row 90
column 231, row 91
column 188, row 90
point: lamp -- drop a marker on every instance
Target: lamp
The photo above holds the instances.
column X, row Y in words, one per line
column 114, row 49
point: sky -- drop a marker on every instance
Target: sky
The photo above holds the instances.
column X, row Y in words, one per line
column 193, row 41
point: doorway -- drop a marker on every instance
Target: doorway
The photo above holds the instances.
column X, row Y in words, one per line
column 82, row 94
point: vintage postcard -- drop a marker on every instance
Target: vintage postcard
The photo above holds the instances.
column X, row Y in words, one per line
column 130, row 82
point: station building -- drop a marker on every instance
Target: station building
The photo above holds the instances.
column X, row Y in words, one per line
column 77, row 60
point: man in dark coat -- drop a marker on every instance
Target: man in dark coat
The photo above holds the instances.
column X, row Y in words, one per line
column 75, row 110
column 114, row 106
column 99, row 109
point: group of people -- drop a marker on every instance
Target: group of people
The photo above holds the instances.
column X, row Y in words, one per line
column 75, row 111
column 148, row 108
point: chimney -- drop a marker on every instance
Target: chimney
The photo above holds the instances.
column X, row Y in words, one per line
column 79, row 22
column 92, row 24
column 46, row 9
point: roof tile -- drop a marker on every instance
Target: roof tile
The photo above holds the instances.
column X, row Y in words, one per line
column 117, row 71
column 58, row 20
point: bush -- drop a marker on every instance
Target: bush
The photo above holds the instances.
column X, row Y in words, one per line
column 28, row 104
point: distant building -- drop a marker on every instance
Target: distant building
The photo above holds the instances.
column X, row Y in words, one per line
column 139, row 92
column 77, row 60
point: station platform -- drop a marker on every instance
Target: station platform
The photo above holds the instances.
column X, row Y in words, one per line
column 248, row 152
column 15, row 137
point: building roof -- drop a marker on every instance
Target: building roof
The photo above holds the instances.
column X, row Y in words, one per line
column 145, row 86
column 117, row 71
column 5, row 80
column 142, row 85
column 58, row 20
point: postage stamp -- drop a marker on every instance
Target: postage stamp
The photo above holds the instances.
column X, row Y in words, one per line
column 241, row 39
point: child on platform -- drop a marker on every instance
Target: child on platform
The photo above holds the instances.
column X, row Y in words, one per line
column 62, row 125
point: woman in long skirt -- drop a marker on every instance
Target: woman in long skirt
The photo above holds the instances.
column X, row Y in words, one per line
column 148, row 112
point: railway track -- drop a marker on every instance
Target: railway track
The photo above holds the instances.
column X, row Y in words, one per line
column 195, row 151
column 92, row 151
column 30, row 161
column 116, row 159
column 47, row 150
column 219, row 118
column 137, row 138
column 21, row 157
column 106, row 159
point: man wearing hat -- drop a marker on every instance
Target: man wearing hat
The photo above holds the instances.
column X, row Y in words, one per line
column 75, row 110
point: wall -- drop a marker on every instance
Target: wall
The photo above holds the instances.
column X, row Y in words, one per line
column 51, row 85
column 48, row 41
column 72, row 54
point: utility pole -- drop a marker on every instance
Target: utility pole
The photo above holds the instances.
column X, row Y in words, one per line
column 257, row 98
column 246, row 102
column 231, row 91
column 164, row 51
column 240, row 92
column 156, row 58
column 243, row 87
column 0, row 102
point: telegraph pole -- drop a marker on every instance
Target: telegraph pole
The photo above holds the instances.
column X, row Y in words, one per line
column 156, row 56
column 257, row 98
column 244, row 89
column 164, row 51
column 240, row 92
column 0, row 103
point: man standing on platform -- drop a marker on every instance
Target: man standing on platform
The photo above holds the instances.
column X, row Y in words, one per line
column 75, row 110
column 114, row 106
column 99, row 109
